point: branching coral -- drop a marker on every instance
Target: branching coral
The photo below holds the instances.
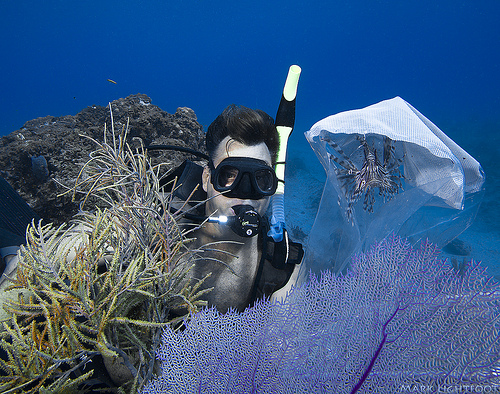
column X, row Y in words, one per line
column 401, row 320
column 105, row 285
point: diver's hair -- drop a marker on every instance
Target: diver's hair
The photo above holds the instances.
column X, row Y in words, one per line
column 245, row 125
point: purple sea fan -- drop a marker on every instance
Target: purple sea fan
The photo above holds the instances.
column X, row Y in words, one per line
column 399, row 320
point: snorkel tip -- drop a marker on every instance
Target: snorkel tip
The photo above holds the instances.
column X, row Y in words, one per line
column 292, row 81
column 285, row 117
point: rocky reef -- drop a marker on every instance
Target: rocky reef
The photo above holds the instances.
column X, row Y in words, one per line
column 45, row 155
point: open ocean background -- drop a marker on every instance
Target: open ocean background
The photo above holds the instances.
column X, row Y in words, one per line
column 442, row 56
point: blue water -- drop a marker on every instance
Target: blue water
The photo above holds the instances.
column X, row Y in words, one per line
column 440, row 56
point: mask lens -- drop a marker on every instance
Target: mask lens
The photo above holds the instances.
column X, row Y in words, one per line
column 244, row 177
column 227, row 176
column 264, row 180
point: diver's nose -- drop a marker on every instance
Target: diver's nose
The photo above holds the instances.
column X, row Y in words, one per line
column 246, row 185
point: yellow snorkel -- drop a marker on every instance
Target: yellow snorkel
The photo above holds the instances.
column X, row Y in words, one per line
column 285, row 120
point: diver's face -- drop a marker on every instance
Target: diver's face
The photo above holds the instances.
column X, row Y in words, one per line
column 218, row 203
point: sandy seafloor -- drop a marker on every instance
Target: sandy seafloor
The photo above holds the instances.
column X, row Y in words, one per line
column 305, row 179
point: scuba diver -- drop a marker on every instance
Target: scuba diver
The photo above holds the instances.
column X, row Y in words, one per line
column 248, row 257
column 247, row 252
column 237, row 184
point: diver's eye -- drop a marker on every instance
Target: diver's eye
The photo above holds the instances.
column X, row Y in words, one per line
column 227, row 176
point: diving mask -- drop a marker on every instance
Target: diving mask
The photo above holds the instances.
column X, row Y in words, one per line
column 244, row 178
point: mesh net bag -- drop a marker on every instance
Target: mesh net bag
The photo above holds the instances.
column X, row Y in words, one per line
column 389, row 171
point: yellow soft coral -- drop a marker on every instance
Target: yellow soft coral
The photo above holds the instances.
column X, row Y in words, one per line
column 104, row 285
